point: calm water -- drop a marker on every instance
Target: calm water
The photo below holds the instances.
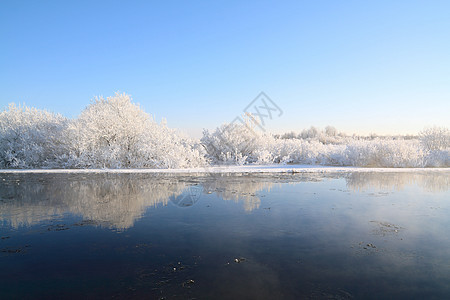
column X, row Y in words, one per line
column 372, row 235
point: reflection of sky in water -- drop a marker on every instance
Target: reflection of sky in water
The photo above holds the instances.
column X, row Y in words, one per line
column 118, row 200
column 382, row 235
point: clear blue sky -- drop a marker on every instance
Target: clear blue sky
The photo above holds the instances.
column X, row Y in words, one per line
column 362, row 66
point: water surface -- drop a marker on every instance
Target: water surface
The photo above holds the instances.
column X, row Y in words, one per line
column 229, row 236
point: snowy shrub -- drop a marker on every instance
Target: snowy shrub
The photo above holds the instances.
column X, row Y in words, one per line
column 295, row 151
column 435, row 138
column 436, row 144
column 331, row 131
column 30, row 138
column 233, row 144
column 237, row 144
column 384, row 153
column 437, row 158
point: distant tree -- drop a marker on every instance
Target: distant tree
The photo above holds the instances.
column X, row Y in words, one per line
column 331, row 131
column 289, row 135
column 310, row 133
column 435, row 138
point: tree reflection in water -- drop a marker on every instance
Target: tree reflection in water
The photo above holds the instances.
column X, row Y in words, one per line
column 118, row 200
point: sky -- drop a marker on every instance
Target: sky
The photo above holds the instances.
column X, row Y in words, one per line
column 361, row 66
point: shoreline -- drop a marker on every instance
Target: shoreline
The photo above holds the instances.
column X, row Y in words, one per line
column 293, row 169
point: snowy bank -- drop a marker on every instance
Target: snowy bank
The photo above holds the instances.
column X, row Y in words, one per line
column 247, row 169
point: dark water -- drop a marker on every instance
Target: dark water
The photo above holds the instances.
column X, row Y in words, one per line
column 370, row 236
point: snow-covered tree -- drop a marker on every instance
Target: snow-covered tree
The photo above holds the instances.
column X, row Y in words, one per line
column 109, row 133
column 31, row 138
column 435, row 138
column 116, row 133
column 235, row 143
column 331, row 131
column 310, row 133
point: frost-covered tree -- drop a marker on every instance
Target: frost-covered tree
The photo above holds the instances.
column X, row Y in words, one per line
column 235, row 143
column 435, row 138
column 109, row 133
column 116, row 133
column 331, row 131
column 310, row 133
column 31, row 138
